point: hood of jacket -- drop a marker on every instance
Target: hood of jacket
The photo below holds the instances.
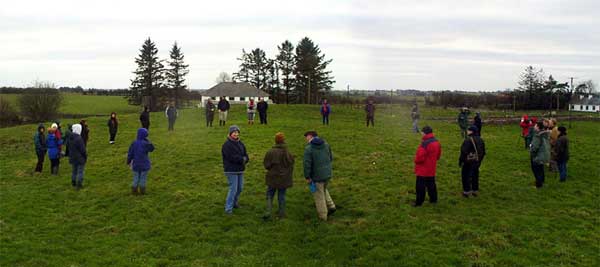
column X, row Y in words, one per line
column 317, row 142
column 427, row 136
column 544, row 133
column 40, row 127
column 142, row 134
column 76, row 128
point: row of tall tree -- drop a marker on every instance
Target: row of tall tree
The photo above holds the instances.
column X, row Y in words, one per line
column 155, row 85
column 295, row 75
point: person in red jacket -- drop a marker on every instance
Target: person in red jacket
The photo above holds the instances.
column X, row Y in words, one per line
column 428, row 153
column 525, row 125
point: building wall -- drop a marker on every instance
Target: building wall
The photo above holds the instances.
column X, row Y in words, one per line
column 585, row 108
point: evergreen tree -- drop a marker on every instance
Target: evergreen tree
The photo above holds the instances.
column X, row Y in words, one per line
column 148, row 81
column 243, row 75
column 532, row 83
column 176, row 75
column 286, row 62
column 254, row 69
column 312, row 77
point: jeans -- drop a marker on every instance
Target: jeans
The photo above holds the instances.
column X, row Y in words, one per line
column 139, row 178
column 562, row 170
column 236, row 184
column 263, row 117
column 470, row 177
column 77, row 174
column 323, row 200
column 415, row 126
column 171, row 124
column 326, row 119
column 112, row 136
column 429, row 184
column 538, row 172
column 280, row 196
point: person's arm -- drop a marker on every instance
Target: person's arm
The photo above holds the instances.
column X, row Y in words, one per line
column 130, row 155
column 330, row 154
column 464, row 150
column 421, row 155
column 81, row 148
column 167, row 112
column 267, row 161
column 149, row 146
column 482, row 149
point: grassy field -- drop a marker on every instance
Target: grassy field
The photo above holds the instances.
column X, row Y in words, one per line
column 181, row 222
column 86, row 104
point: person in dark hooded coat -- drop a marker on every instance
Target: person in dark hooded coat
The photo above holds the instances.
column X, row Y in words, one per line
column 138, row 161
column 145, row 118
column 113, row 126
column 472, row 153
column 77, row 156
column 39, row 139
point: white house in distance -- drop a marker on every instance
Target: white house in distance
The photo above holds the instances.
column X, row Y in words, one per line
column 585, row 104
column 235, row 92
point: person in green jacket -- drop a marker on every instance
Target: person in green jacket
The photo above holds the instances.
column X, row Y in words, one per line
column 317, row 171
column 540, row 152
column 463, row 121
column 279, row 163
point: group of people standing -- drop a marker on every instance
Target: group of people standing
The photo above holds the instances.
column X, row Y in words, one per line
column 223, row 108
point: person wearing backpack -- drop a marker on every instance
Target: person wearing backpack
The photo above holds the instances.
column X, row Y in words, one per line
column 428, row 153
column 472, row 152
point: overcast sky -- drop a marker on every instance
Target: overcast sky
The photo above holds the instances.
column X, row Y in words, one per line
column 455, row 45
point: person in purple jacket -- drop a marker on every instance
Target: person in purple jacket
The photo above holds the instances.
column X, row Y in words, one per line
column 138, row 161
column 325, row 111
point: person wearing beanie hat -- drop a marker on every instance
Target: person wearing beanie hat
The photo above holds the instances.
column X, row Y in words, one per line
column 77, row 156
column 113, row 126
column 235, row 159
column 472, row 153
column 53, row 143
column 138, row 161
column 39, row 139
column 562, row 152
column 428, row 153
column 58, row 134
column 279, row 163
column 318, row 172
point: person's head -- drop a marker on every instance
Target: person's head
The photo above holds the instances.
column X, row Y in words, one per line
column 562, row 130
column 540, row 125
column 76, row 128
column 472, row 129
column 478, row 113
column 142, row 133
column 545, row 123
column 234, row 132
column 146, row 108
column 534, row 120
column 113, row 115
column 54, row 126
column 308, row 136
column 82, row 122
column 279, row 138
column 426, row 130
column 553, row 122
column 41, row 128
column 209, row 101
column 261, row 99
column 370, row 101
column 324, row 100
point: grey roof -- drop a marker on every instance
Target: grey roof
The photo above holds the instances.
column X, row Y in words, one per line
column 585, row 100
column 234, row 89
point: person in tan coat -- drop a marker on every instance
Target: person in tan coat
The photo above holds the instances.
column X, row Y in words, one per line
column 279, row 163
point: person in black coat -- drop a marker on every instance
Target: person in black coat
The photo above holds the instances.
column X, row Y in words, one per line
column 235, row 159
column 477, row 122
column 223, row 107
column 77, row 156
column 262, row 110
column 39, row 139
column 113, row 126
column 85, row 132
column 145, row 118
column 562, row 152
column 472, row 153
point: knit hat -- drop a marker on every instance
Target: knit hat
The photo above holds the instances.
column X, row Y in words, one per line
column 562, row 130
column 279, row 138
column 427, row 130
column 54, row 125
column 76, row 128
column 234, row 128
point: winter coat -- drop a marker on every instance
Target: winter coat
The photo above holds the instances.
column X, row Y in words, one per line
column 113, row 125
column 280, row 167
column 223, row 105
column 137, row 156
column 428, row 153
column 251, row 107
column 477, row 122
column 467, row 147
column 370, row 109
column 463, row 120
column 53, row 142
column 553, row 136
column 39, row 139
column 540, row 147
column 234, row 156
column 171, row 113
column 325, row 109
column 145, row 119
column 317, row 160
column 524, row 126
column 77, row 151
column 85, row 133
column 562, row 149
column 262, row 106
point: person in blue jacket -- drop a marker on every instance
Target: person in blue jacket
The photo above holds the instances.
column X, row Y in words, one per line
column 53, row 143
column 235, row 159
column 77, row 156
column 138, row 161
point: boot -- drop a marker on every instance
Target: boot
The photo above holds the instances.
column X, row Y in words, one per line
column 142, row 190
column 134, row 190
column 267, row 214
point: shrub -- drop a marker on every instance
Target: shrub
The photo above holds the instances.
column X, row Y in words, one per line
column 41, row 103
column 8, row 115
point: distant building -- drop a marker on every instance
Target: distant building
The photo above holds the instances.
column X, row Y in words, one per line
column 590, row 103
column 234, row 92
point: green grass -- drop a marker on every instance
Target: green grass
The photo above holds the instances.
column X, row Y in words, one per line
column 180, row 222
column 87, row 104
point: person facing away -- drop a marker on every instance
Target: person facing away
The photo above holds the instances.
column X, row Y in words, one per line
column 539, row 152
column 171, row 113
column 262, row 107
column 85, row 131
column 325, row 111
column 414, row 115
column 562, row 153
column 139, row 162
column 251, row 110
column 145, row 118
column 370, row 110
column 478, row 123
column 317, row 172
column 463, row 121
column 279, row 163
column 39, row 140
column 428, row 153
column 209, row 112
column 472, row 153
column 53, row 143
column 531, row 132
column 113, row 126
column 235, row 159
column 77, row 157
column 223, row 107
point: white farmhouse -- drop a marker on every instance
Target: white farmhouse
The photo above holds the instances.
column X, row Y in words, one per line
column 234, row 92
column 586, row 104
